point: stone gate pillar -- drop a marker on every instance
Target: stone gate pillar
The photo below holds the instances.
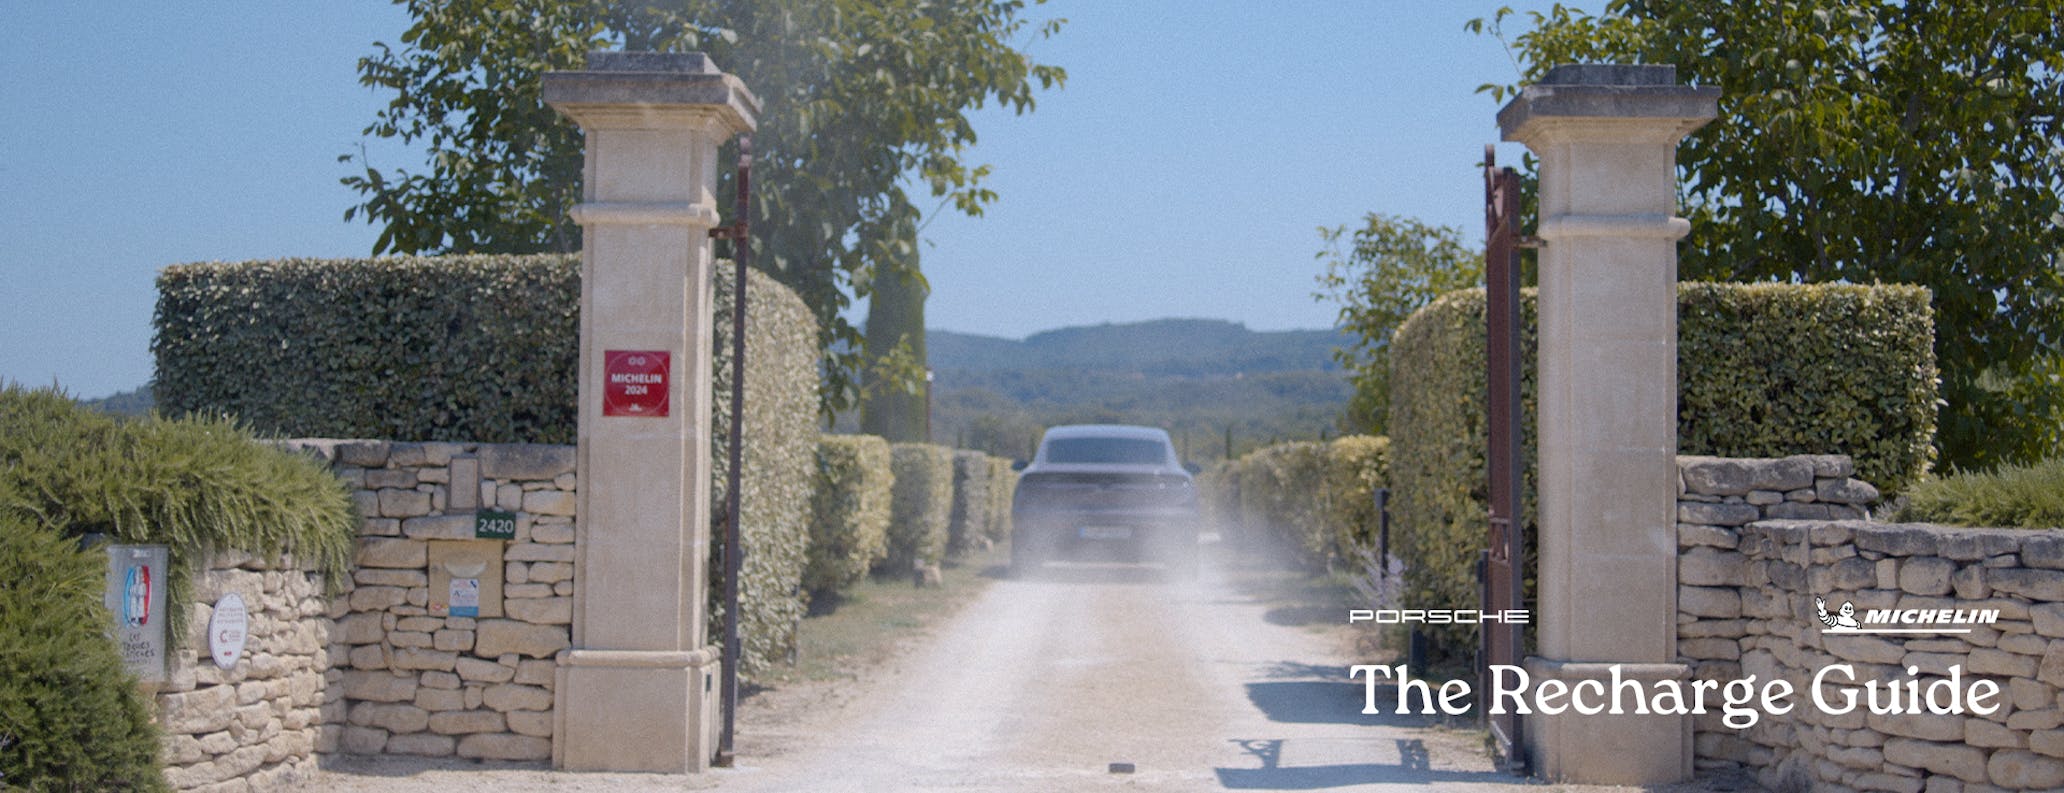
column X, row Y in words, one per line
column 637, row 691
column 1607, row 137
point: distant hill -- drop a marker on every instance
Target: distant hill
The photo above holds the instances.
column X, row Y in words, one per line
column 1208, row 382
column 134, row 402
column 1162, row 346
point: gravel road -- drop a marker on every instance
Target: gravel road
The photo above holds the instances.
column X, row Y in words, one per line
column 1044, row 685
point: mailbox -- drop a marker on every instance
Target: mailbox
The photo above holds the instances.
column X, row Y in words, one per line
column 465, row 578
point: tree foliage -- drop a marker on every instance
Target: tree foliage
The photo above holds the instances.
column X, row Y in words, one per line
column 1385, row 271
column 1875, row 141
column 856, row 96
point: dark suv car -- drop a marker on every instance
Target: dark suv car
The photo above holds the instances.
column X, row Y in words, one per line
column 1105, row 488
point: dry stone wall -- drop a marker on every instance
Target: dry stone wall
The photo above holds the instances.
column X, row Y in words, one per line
column 1759, row 540
column 253, row 726
column 407, row 676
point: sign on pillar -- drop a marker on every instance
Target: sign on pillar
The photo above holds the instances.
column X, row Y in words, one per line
column 637, row 692
column 1606, row 137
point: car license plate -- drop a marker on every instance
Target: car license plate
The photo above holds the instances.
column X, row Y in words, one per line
column 1107, row 532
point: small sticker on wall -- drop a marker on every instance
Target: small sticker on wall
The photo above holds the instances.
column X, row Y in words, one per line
column 465, row 597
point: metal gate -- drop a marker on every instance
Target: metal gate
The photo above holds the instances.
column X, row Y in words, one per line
column 1504, row 561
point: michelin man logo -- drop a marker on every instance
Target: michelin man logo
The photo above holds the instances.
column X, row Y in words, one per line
column 1844, row 621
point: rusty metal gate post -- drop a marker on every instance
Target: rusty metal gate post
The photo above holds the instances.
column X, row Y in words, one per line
column 1505, row 558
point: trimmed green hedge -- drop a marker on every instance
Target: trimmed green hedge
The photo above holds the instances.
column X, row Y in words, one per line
column 780, row 459
column 968, row 529
column 457, row 348
column 1003, row 485
column 2013, row 496
column 1311, row 498
column 850, row 531
column 1764, row 370
column 71, row 718
column 921, row 508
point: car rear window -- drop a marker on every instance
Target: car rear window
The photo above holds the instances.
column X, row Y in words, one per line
column 1132, row 451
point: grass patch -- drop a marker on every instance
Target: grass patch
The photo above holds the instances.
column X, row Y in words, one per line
column 2011, row 497
column 864, row 626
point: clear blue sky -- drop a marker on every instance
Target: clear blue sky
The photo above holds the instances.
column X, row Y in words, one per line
column 1181, row 173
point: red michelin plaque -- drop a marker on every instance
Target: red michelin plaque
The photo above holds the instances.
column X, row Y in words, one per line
column 634, row 383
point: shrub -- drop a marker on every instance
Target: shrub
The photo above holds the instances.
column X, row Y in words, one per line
column 1355, row 466
column 1764, row 370
column 850, row 531
column 780, row 455
column 458, row 348
column 1003, row 486
column 2014, row 496
column 968, row 530
column 1310, row 498
column 194, row 485
column 921, row 507
column 71, row 718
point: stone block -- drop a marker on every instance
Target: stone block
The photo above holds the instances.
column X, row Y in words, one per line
column 2022, row 770
column 374, row 576
column 1711, row 567
column 1709, row 649
column 536, row 672
column 2035, row 720
column 1845, row 491
column 1831, row 466
column 2049, row 743
column 549, row 502
column 438, row 699
column 202, row 710
column 2048, row 619
column 1966, row 545
column 461, row 722
column 1716, row 602
column 378, row 686
column 535, row 552
column 536, row 723
column 418, row 658
column 442, row 680
column 509, row 696
column 476, row 669
column 1992, row 735
column 1864, row 649
column 1716, row 514
column 362, row 740
column 2043, row 549
column 543, row 611
column 523, row 591
column 1963, row 762
column 393, row 553
column 1926, row 575
column 362, row 628
column 1793, row 510
column 393, row 717
column 1926, row 726
column 1763, row 498
column 381, row 478
column 455, row 641
column 439, row 527
column 553, row 533
column 408, row 639
column 524, row 461
column 1987, row 661
column 422, row 743
column 1898, row 539
column 2043, row 585
column 504, row 746
column 364, row 454
column 396, row 503
column 551, row 572
column 2051, row 669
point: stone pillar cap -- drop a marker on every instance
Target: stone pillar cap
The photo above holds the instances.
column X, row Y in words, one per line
column 650, row 81
column 1603, row 92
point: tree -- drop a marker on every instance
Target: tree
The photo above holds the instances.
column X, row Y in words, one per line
column 1876, row 141
column 857, row 95
column 895, row 400
column 1396, row 264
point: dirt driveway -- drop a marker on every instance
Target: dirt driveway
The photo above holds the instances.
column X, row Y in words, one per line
column 1062, row 683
